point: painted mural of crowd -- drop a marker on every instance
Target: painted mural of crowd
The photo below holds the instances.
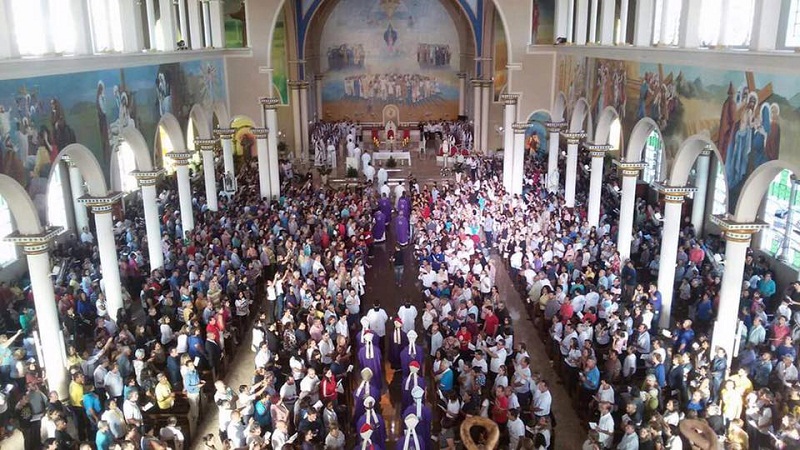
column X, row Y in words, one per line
column 346, row 56
column 610, row 86
column 658, row 98
column 408, row 89
column 433, row 55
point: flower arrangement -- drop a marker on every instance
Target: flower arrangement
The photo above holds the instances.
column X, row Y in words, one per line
column 352, row 172
column 324, row 170
column 391, row 162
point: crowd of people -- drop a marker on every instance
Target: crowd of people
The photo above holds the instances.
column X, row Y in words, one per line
column 433, row 55
column 346, row 56
column 405, row 89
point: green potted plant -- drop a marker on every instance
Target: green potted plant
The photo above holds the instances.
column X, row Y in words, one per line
column 391, row 162
column 324, row 172
column 352, row 172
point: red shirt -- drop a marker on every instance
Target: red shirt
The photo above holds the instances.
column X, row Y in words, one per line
column 464, row 338
column 327, row 388
column 500, row 410
column 566, row 312
column 490, row 324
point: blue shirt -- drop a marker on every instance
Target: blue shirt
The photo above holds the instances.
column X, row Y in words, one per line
column 446, row 382
column 92, row 403
column 191, row 382
column 103, row 440
column 592, row 381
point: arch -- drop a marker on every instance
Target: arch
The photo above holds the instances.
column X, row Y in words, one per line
column 536, row 133
column 579, row 115
column 687, row 154
column 202, row 120
column 603, row 130
column 559, row 107
column 172, row 127
column 638, row 138
column 134, row 138
column 756, row 186
column 88, row 166
column 220, row 111
column 21, row 206
column 271, row 33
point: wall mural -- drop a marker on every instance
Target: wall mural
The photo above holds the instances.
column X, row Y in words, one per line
column 40, row 116
column 380, row 52
column 536, row 133
column 500, row 58
column 542, row 22
column 748, row 115
column 280, row 78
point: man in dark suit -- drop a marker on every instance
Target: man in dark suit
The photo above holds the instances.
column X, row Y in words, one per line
column 213, row 351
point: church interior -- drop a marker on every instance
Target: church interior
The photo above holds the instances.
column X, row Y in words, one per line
column 409, row 224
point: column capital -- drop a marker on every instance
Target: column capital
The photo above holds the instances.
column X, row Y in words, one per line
column 462, row 75
column 205, row 145
column 69, row 161
column 519, row 127
column 224, row 133
column 476, row 82
column 147, row 177
column 674, row 194
column 488, row 83
column 706, row 152
column 318, row 77
column 180, row 158
column 260, row 133
column 555, row 127
column 573, row 137
column 269, row 102
column 509, row 99
column 597, row 150
column 298, row 84
column 101, row 205
column 737, row 231
column 34, row 244
column 630, row 169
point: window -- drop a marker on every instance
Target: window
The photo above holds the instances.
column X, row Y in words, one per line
column 29, row 28
column 106, row 25
column 56, row 203
column 126, row 161
column 776, row 215
column 667, row 22
column 615, row 134
column 734, row 24
column 720, row 205
column 61, row 26
column 166, row 147
column 8, row 250
column 653, row 156
column 793, row 25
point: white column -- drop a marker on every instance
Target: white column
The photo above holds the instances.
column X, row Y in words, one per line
column 691, row 23
column 151, row 23
column 598, row 153
column 264, row 183
column 304, row 119
column 217, row 24
column 168, row 25
column 182, row 22
column 486, row 100
column 76, row 186
column 296, row 118
column 623, row 22
column 81, row 28
column 184, row 189
column 766, row 21
column 607, row 19
column 571, row 21
column 7, row 46
column 561, row 17
column 272, row 142
column 318, row 94
column 554, row 130
column 46, row 31
column 673, row 204
column 573, row 140
column 518, row 165
column 509, row 118
column 737, row 240
column 194, row 13
column 701, row 168
column 206, row 23
column 206, row 147
column 104, row 225
column 476, row 113
column 630, row 173
column 37, row 253
column 147, row 183
column 225, row 136
column 643, row 25
column 593, row 21
column 462, row 94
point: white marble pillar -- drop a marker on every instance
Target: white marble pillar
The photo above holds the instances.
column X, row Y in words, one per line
column 593, row 12
column 206, row 11
column 296, row 118
column 673, row 205
column 102, row 207
column 168, row 25
column 78, row 191
column 598, row 154
column 184, row 189
column 150, row 7
column 554, row 133
column 304, row 120
column 318, row 94
column 766, row 22
column 36, row 249
column 194, row 12
column 573, row 141
column 702, row 168
column 561, row 18
column 509, row 118
column 486, row 101
column 623, row 22
column 147, row 183
column 737, row 240
column 630, row 173
column 691, row 24
column 207, row 148
column 264, row 184
column 643, row 25
column 270, row 114
column 607, row 19
column 217, row 24
column 518, row 161
column 571, row 21
column 462, row 94
column 225, row 136
column 182, row 22
column 477, row 110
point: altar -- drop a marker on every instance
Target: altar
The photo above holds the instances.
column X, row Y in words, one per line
column 398, row 156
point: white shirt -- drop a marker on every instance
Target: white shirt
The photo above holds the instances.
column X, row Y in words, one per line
column 377, row 321
column 131, row 411
column 114, row 384
column 408, row 314
column 606, row 423
column 542, row 400
column 498, row 360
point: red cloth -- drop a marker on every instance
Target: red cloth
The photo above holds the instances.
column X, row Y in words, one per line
column 327, row 388
column 406, row 134
column 374, row 133
column 490, row 324
column 390, row 134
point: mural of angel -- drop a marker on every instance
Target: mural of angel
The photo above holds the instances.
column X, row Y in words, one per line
column 164, row 94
